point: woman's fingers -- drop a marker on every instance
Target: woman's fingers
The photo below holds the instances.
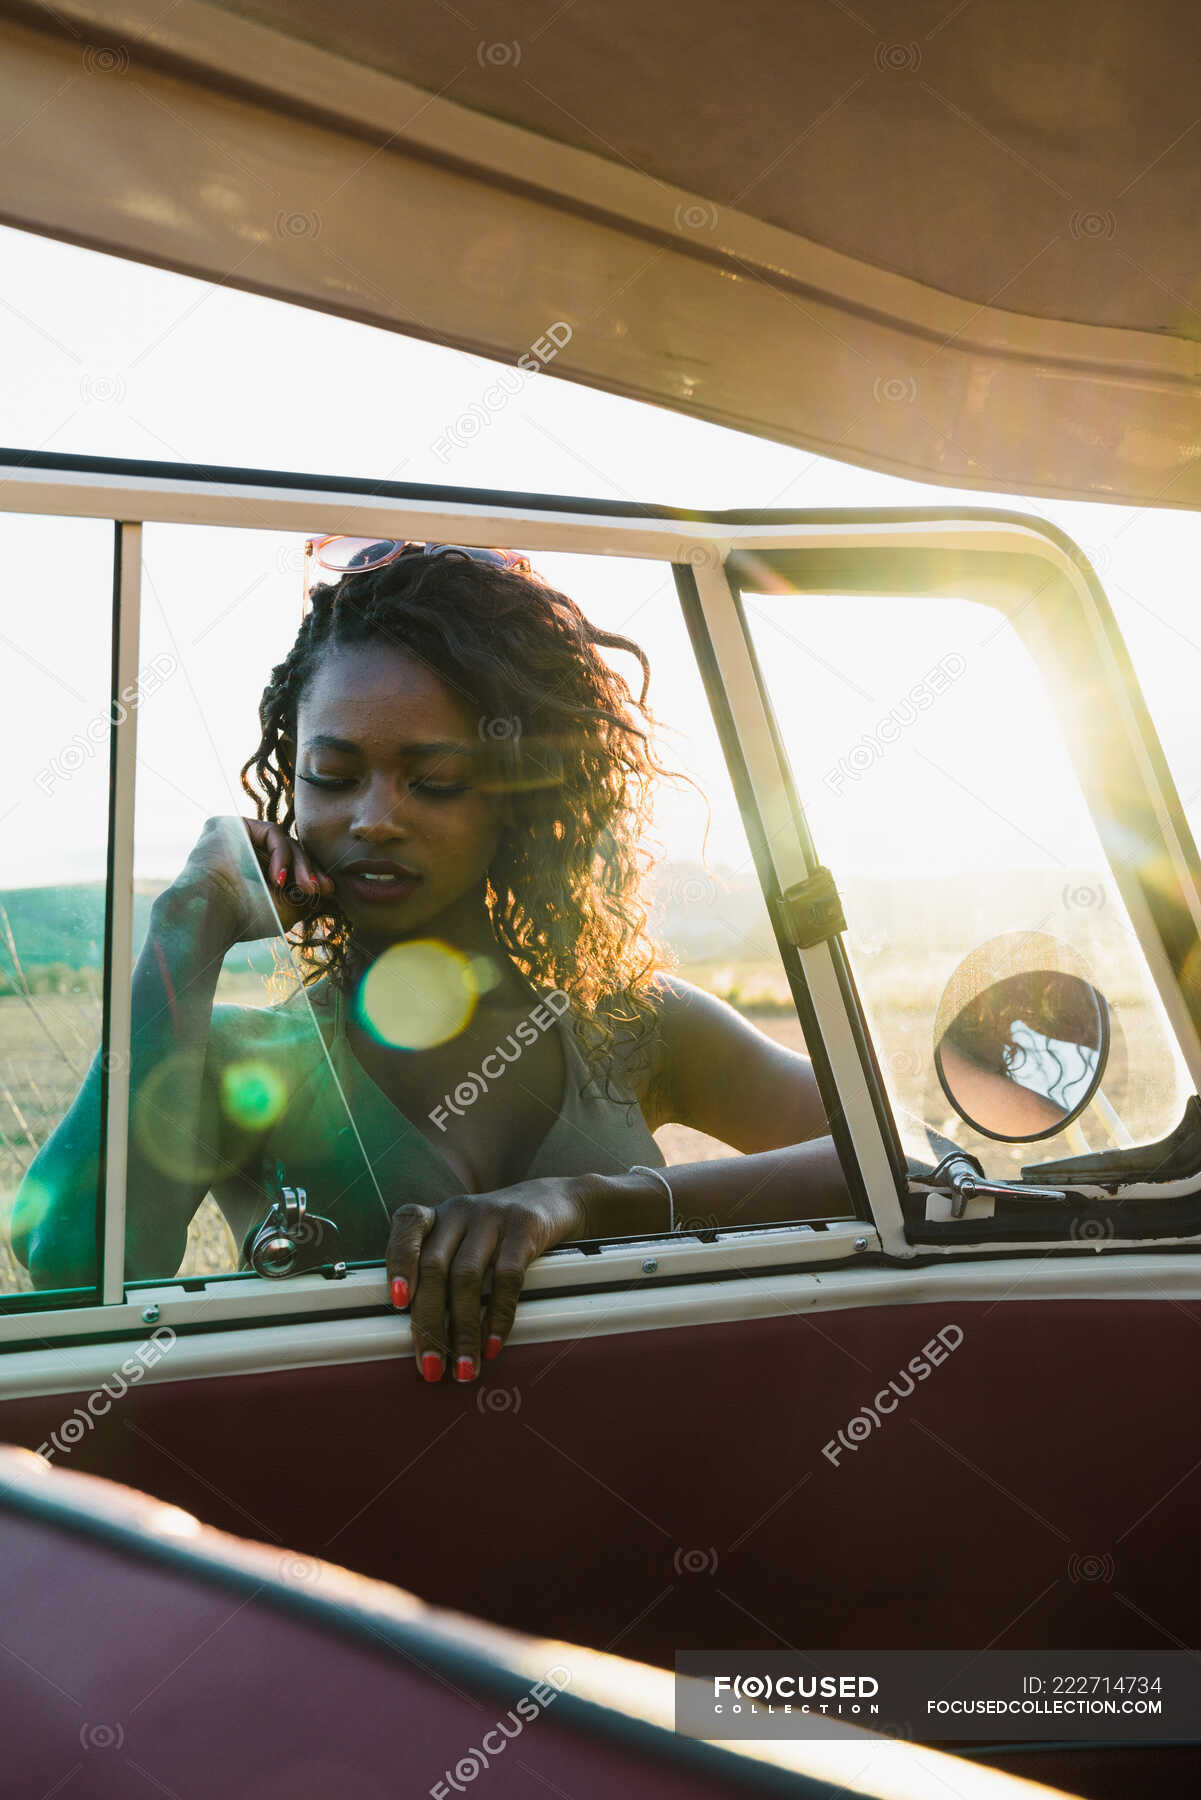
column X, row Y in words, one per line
column 472, row 1261
column 437, row 1261
column 439, row 1258
column 425, row 1247
column 411, row 1225
column 279, row 857
column 508, row 1279
column 294, row 878
column 307, row 877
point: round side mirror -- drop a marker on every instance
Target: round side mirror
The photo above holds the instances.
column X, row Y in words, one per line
column 1021, row 1038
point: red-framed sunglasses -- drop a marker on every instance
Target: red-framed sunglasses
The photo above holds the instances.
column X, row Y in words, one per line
column 350, row 555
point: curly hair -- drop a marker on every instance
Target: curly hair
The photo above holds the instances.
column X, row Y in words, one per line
column 561, row 735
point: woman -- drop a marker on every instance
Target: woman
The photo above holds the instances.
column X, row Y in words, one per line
column 451, row 784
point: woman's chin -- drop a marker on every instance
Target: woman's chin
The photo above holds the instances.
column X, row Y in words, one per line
column 384, row 921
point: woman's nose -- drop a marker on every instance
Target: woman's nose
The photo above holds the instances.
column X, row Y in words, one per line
column 380, row 817
column 380, row 828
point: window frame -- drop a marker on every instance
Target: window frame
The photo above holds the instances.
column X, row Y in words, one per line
column 1062, row 617
column 697, row 546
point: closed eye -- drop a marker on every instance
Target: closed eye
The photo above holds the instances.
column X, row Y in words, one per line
column 439, row 790
column 328, row 781
column 432, row 790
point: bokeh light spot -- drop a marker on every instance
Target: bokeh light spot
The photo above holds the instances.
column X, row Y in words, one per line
column 30, row 1208
column 253, row 1094
column 418, row 994
column 162, row 1119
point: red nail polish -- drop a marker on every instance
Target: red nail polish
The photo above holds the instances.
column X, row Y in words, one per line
column 400, row 1291
column 281, row 878
column 464, row 1369
column 493, row 1346
column 431, row 1366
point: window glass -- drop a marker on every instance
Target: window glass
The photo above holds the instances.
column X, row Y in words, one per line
column 233, row 1043
column 930, row 764
column 271, row 1055
column 512, row 850
column 55, row 633
column 1146, row 568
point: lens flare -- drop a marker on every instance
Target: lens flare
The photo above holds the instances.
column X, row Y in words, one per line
column 487, row 973
column 253, row 1094
column 161, row 1108
column 30, row 1207
column 418, row 994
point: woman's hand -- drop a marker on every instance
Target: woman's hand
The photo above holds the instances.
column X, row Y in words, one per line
column 221, row 868
column 438, row 1258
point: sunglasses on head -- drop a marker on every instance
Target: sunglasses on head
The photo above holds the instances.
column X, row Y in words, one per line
column 351, row 555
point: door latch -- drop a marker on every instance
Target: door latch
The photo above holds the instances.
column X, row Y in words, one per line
column 291, row 1240
column 967, row 1181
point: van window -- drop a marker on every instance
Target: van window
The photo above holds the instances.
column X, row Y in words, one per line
column 57, row 636
column 929, row 760
column 253, row 1073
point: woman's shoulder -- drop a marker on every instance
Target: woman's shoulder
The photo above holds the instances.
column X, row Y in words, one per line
column 671, row 1001
column 624, row 1042
column 690, row 1026
column 291, row 1024
column 684, row 1007
column 319, row 998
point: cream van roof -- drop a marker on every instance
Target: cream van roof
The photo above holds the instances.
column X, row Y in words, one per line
column 963, row 246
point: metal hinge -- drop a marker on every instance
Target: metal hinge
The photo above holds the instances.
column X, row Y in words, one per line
column 811, row 911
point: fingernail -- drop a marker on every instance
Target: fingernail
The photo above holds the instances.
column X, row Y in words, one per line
column 431, row 1366
column 400, row 1291
column 465, row 1369
column 281, row 878
column 493, row 1346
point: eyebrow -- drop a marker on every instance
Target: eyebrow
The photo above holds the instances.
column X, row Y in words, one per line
column 434, row 747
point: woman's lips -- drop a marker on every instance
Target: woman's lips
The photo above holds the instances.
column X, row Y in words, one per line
column 381, row 890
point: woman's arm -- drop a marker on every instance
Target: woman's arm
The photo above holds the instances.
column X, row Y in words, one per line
column 180, row 1139
column 175, row 1136
column 796, row 1182
column 996, row 1102
column 438, row 1256
column 723, row 1076
column 716, row 1073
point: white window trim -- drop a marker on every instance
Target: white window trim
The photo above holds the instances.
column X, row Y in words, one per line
column 224, row 1300
column 118, row 1000
column 323, row 1343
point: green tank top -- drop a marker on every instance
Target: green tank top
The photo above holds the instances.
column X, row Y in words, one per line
column 358, row 1157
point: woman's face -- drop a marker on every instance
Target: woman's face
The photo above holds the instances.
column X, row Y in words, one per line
column 386, row 794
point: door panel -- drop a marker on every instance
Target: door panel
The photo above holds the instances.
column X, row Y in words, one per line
column 670, row 1489
column 367, row 1689
column 1035, row 1480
